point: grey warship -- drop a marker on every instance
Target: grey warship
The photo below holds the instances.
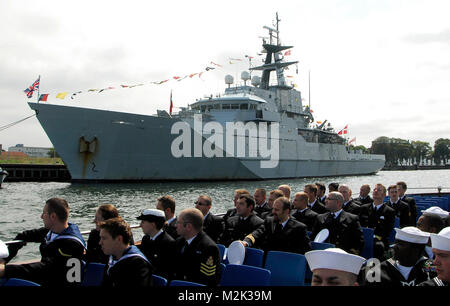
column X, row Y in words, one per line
column 250, row 132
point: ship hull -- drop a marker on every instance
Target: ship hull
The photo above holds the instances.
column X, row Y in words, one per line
column 131, row 147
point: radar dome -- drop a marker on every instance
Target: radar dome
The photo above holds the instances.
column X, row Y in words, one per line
column 229, row 79
column 256, row 80
column 245, row 76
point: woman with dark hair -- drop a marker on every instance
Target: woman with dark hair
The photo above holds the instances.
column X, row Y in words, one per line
column 94, row 251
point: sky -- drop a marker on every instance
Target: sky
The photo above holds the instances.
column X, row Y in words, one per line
column 381, row 67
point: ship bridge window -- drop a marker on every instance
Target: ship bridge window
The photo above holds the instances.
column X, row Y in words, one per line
column 209, row 107
column 234, row 106
column 225, row 106
column 216, row 106
column 244, row 106
column 252, row 106
column 203, row 108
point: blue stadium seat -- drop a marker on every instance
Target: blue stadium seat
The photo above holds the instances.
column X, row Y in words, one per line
column 321, row 245
column 93, row 275
column 288, row 269
column 254, row 257
column 367, row 252
column 180, row 283
column 244, row 276
column 159, row 281
column 391, row 238
column 221, row 251
column 17, row 282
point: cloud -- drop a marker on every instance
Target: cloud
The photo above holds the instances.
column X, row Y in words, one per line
column 426, row 38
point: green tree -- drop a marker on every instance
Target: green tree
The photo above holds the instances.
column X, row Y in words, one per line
column 421, row 150
column 52, row 153
column 441, row 150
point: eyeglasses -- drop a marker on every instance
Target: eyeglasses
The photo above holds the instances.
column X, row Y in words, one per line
column 200, row 203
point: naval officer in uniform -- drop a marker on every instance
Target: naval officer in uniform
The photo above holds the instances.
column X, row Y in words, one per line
column 60, row 242
column 127, row 266
column 334, row 267
column 441, row 249
column 408, row 266
column 157, row 245
column 196, row 256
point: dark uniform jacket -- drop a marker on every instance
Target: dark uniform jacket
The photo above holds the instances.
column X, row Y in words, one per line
column 381, row 220
column 435, row 282
column 307, row 217
column 171, row 228
column 318, row 207
column 236, row 228
column 352, row 207
column 213, row 226
column 322, row 200
column 292, row 238
column 402, row 212
column 259, row 210
column 345, row 231
column 159, row 252
column 366, row 200
column 230, row 213
column 197, row 262
column 56, row 250
column 131, row 270
column 94, row 252
column 412, row 209
column 391, row 276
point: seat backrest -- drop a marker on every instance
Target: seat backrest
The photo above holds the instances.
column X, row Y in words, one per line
column 288, row 269
column 243, row 275
column 93, row 275
column 321, row 245
column 254, row 257
column 17, row 282
column 221, row 251
column 367, row 252
column 180, row 283
column 159, row 281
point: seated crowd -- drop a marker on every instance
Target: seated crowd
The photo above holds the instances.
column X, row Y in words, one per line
column 184, row 247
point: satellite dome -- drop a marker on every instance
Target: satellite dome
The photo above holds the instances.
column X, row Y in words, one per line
column 245, row 76
column 256, row 80
column 229, row 79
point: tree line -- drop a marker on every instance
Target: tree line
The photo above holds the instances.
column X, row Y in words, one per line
column 405, row 152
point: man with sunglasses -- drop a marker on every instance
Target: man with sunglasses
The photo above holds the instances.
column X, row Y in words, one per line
column 212, row 225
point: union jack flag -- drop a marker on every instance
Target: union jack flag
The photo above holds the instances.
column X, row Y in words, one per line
column 35, row 86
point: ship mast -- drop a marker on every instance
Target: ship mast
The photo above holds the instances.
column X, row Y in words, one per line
column 277, row 64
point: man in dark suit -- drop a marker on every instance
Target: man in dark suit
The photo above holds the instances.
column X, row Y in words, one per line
column 401, row 188
column 313, row 203
column 364, row 196
column 167, row 205
column 381, row 218
column 232, row 211
column 261, row 205
column 273, row 195
column 302, row 212
column 344, row 228
column 350, row 205
column 196, row 256
column 246, row 221
column 401, row 208
column 321, row 189
column 156, row 245
column 212, row 225
column 280, row 232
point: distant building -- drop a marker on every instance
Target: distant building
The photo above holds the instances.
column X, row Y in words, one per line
column 30, row 151
column 13, row 154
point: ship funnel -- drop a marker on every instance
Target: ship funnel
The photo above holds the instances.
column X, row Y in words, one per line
column 229, row 80
column 256, row 80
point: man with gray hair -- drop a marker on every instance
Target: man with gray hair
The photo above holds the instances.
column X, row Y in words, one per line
column 349, row 205
column 344, row 229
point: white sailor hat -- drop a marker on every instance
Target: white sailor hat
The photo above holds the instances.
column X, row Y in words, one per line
column 412, row 234
column 435, row 210
column 152, row 215
column 335, row 259
column 441, row 241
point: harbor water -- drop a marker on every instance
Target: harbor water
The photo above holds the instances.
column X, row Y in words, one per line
column 21, row 203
